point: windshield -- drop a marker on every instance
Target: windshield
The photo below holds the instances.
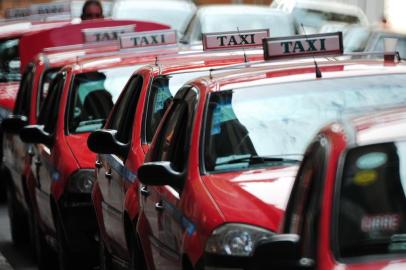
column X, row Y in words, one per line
column 356, row 38
column 279, row 25
column 286, row 117
column 176, row 17
column 162, row 91
column 9, row 61
column 372, row 201
column 93, row 95
column 312, row 19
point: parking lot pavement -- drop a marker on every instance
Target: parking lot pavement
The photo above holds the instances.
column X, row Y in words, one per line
column 11, row 257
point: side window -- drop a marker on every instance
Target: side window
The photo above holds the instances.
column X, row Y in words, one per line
column 172, row 144
column 158, row 101
column 305, row 201
column 123, row 115
column 46, row 80
column 50, row 109
column 23, row 101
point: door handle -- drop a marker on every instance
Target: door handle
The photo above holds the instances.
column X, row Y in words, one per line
column 159, row 206
column 108, row 175
column 98, row 164
column 144, row 191
column 38, row 162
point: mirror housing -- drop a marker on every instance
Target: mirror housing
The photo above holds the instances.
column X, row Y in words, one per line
column 282, row 251
column 159, row 173
column 36, row 134
column 103, row 141
column 14, row 123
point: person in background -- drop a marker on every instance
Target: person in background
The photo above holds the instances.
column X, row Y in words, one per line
column 92, row 9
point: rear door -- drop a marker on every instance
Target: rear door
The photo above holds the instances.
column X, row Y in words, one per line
column 113, row 174
column 44, row 161
column 15, row 150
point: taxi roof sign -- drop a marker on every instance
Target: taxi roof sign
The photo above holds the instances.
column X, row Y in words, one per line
column 16, row 13
column 234, row 39
column 106, row 34
column 148, row 39
column 51, row 8
column 303, row 45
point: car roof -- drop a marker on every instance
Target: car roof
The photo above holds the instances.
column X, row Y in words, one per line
column 293, row 70
column 18, row 29
column 169, row 61
column 237, row 9
column 383, row 125
column 71, row 34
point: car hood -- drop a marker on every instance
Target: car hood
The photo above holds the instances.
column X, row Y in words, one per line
column 257, row 197
column 78, row 146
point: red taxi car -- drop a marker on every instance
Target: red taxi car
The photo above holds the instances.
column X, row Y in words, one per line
column 122, row 144
column 33, row 89
column 221, row 165
column 347, row 207
column 61, row 174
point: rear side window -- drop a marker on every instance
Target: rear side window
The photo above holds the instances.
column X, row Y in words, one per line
column 23, row 102
column 372, row 201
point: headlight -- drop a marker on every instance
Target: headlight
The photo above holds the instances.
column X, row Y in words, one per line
column 236, row 239
column 81, row 181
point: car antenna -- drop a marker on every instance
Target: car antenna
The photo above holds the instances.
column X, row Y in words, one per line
column 156, row 61
column 318, row 71
column 243, row 49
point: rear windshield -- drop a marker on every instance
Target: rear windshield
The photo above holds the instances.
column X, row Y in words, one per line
column 274, row 123
column 9, row 61
column 93, row 96
column 372, row 201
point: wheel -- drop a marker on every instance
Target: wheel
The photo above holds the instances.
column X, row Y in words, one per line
column 104, row 256
column 44, row 254
column 66, row 260
column 18, row 220
column 136, row 260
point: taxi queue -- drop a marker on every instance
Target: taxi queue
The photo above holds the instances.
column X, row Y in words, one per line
column 127, row 151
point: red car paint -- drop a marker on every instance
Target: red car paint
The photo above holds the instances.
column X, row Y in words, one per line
column 72, row 34
column 208, row 202
column 116, row 199
column 335, row 140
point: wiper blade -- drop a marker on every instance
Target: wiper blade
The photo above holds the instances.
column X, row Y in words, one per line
column 255, row 159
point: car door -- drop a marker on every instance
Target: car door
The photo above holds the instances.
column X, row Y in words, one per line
column 161, row 208
column 113, row 174
column 305, row 203
column 44, row 161
column 15, row 150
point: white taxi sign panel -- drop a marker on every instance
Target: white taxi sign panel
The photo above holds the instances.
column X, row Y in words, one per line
column 106, row 34
column 317, row 44
column 14, row 13
column 148, row 39
column 235, row 39
column 52, row 8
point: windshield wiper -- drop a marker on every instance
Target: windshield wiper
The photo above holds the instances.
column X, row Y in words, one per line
column 255, row 159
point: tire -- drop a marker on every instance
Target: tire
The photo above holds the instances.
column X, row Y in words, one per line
column 46, row 257
column 106, row 261
column 66, row 260
column 136, row 260
column 18, row 220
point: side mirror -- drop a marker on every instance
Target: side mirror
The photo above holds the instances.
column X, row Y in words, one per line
column 103, row 141
column 36, row 134
column 14, row 123
column 282, row 251
column 159, row 174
